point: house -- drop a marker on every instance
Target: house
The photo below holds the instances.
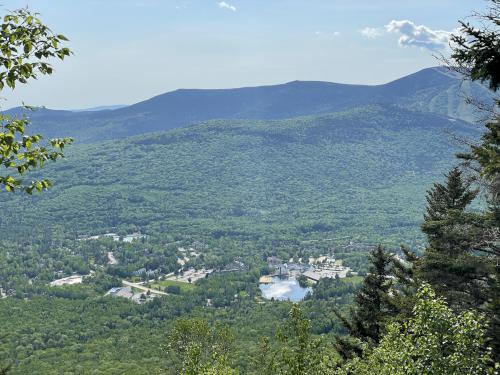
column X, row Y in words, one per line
column 274, row 261
column 132, row 237
column 311, row 275
column 71, row 280
column 143, row 271
column 281, row 269
column 296, row 267
column 125, row 292
column 235, row 265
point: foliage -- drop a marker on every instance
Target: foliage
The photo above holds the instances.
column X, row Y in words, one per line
column 434, row 341
column 201, row 348
column 487, row 156
column 357, row 173
column 405, row 283
column 247, row 189
column 448, row 263
column 4, row 364
column 299, row 352
column 373, row 307
column 20, row 153
column 328, row 288
column 26, row 44
column 477, row 49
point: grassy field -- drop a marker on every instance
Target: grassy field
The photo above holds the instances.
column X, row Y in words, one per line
column 353, row 279
column 161, row 285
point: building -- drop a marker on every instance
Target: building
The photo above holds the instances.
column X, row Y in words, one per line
column 311, row 275
column 125, row 292
column 234, row 266
column 71, row 280
column 143, row 271
column 274, row 261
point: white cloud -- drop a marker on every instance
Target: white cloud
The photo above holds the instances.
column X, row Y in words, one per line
column 224, row 5
column 371, row 32
column 419, row 35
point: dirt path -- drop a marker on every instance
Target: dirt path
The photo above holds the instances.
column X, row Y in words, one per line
column 111, row 258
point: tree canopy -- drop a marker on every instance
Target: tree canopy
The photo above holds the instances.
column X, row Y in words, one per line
column 26, row 47
column 477, row 49
column 434, row 341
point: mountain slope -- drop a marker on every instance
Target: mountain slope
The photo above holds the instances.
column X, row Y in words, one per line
column 431, row 90
column 361, row 172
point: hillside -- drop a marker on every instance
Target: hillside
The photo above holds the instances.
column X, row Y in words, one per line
column 430, row 90
column 361, row 172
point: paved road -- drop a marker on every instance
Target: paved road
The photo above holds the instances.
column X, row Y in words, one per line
column 141, row 287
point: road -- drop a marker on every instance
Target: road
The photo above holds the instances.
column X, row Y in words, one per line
column 141, row 287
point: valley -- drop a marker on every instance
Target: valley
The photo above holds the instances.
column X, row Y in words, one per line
column 158, row 213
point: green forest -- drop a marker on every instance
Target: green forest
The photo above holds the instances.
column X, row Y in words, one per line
column 289, row 179
column 156, row 248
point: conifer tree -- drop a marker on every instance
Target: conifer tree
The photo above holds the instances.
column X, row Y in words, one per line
column 485, row 159
column 476, row 53
column 476, row 49
column 373, row 307
column 449, row 263
column 406, row 283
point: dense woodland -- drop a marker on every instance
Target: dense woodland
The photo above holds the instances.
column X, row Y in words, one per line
column 289, row 180
column 354, row 181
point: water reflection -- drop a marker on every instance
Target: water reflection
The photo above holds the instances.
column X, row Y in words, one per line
column 284, row 289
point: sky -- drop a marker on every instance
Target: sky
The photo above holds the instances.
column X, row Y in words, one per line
column 126, row 51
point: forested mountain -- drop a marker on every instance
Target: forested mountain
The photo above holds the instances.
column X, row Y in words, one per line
column 362, row 172
column 433, row 90
column 308, row 228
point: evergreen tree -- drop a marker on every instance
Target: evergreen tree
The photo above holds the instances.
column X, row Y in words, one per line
column 373, row 307
column 476, row 53
column 485, row 159
column 406, row 283
column 449, row 263
column 476, row 50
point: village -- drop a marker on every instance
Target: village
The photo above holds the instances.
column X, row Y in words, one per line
column 144, row 284
column 314, row 269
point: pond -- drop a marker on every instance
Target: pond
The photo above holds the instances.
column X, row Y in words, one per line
column 284, row 289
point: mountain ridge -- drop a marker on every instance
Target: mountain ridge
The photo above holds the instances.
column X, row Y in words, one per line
column 429, row 90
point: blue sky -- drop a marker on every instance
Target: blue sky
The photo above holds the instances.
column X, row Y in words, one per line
column 126, row 51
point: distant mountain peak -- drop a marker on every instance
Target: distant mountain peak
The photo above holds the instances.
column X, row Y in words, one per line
column 433, row 90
